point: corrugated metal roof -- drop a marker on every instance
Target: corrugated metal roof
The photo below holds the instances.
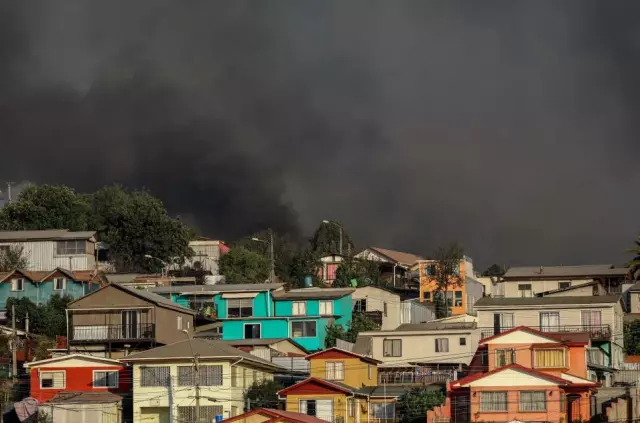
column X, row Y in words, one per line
column 312, row 293
column 85, row 398
column 408, row 327
column 565, row 271
column 52, row 234
column 600, row 299
column 243, row 287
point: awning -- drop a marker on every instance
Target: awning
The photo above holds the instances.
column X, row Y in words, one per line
column 240, row 295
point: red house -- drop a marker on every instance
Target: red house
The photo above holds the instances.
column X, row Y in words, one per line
column 77, row 373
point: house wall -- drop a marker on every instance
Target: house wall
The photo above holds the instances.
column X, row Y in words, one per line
column 41, row 292
column 376, row 300
column 575, row 358
column 421, row 347
column 340, row 406
column 356, row 371
column 262, row 305
column 229, row 394
column 207, row 253
column 77, row 378
column 83, row 413
column 412, row 311
column 551, row 414
column 634, row 302
column 538, row 286
column 428, row 284
column 42, row 255
column 584, row 291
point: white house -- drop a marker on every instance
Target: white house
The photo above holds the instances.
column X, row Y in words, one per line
column 52, row 249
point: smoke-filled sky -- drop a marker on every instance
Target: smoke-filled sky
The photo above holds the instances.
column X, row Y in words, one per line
column 510, row 127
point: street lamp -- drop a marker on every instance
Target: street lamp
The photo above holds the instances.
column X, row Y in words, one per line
column 165, row 266
column 331, row 222
column 272, row 272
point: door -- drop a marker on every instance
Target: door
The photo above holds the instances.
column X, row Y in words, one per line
column 154, row 415
column 130, row 324
column 252, row 331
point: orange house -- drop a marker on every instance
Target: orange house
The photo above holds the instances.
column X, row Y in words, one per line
column 530, row 376
column 456, row 293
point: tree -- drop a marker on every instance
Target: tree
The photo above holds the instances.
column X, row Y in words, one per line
column 414, row 404
column 334, row 332
column 48, row 319
column 304, row 263
column 47, row 207
column 13, row 258
column 494, row 270
column 632, row 337
column 326, row 240
column 364, row 272
column 263, row 394
column 360, row 322
column 240, row 265
column 634, row 264
column 446, row 271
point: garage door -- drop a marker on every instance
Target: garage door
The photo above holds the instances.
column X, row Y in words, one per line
column 154, row 415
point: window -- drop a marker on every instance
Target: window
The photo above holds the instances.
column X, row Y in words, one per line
column 458, row 299
column 360, row 305
column 549, row 358
column 550, row 321
column 299, row 308
column 524, row 290
column 430, row 270
column 591, row 317
column 493, row 401
column 426, row 296
column 369, row 371
column 209, row 376
column 105, row 379
column 240, row 307
column 533, row 401
column 58, row 284
column 442, row 345
column 326, row 308
column 392, row 348
column 463, row 342
column 484, row 357
column 252, row 331
column 234, row 377
column 65, row 248
column 384, row 309
column 52, row 380
column 303, row 329
column 323, row 409
column 179, row 318
column 564, row 285
column 17, row 284
column 208, row 413
column 234, row 411
column 504, row 357
column 335, row 370
column 502, row 322
column 450, row 298
column 331, row 271
column 154, row 376
column 383, row 410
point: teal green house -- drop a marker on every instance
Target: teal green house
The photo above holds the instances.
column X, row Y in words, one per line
column 40, row 286
column 262, row 311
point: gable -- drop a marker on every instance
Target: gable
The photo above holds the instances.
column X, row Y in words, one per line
column 109, row 296
column 520, row 337
column 74, row 360
column 312, row 387
column 510, row 378
column 332, row 355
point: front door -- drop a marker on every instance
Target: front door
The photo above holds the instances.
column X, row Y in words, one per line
column 130, row 324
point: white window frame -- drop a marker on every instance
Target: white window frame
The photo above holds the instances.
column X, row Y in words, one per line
column 324, row 306
column 14, row 284
column 64, row 284
column 530, row 403
column 106, row 371
column 179, row 322
column 299, row 308
column 444, row 342
column 333, row 368
column 64, row 379
column 392, row 341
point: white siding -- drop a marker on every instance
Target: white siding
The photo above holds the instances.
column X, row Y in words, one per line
column 511, row 287
column 207, row 253
column 42, row 257
column 376, row 300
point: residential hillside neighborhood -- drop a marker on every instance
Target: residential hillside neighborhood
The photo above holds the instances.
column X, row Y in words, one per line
column 371, row 335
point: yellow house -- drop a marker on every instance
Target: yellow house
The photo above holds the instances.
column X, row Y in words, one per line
column 342, row 389
column 164, row 380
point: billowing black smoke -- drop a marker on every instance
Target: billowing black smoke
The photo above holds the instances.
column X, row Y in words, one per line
column 508, row 127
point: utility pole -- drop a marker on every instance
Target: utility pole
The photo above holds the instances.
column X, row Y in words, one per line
column 272, row 273
column 26, row 323
column 14, row 351
column 196, row 370
column 9, row 191
column 340, row 239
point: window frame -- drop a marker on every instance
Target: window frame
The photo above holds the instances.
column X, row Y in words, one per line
column 530, row 290
column 357, row 305
column 560, row 283
column 446, row 342
column 544, row 401
column 66, row 250
column 304, row 335
column 240, row 308
column 458, row 302
column 463, row 341
column 179, row 322
column 426, row 295
column 335, row 366
column 564, row 358
column 325, row 304
column 64, row 283
column 117, row 379
column 392, row 348
column 376, row 406
column 64, row 379
column 508, row 352
column 493, row 410
column 158, row 382
column 548, row 314
column 296, row 306
column 14, row 284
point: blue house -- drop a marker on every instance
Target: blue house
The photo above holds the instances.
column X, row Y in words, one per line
column 263, row 311
column 40, row 286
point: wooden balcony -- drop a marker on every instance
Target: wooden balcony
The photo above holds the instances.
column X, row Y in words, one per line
column 112, row 333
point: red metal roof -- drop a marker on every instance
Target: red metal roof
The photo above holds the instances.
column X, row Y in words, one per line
column 288, row 416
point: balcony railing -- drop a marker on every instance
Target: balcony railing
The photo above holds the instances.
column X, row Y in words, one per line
column 410, row 378
column 597, row 332
column 140, row 331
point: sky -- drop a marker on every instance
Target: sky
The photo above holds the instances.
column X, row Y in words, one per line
column 508, row 127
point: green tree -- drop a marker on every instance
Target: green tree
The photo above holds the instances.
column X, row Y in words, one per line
column 632, row 337
column 263, row 394
column 494, row 270
column 414, row 404
column 304, row 263
column 13, row 258
column 48, row 319
column 240, row 265
column 364, row 272
column 326, row 240
column 446, row 271
column 334, row 332
column 47, row 207
column 634, row 264
column 360, row 322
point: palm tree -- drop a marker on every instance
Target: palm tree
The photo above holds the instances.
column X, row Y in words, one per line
column 634, row 264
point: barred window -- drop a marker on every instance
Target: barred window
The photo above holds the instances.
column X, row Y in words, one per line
column 209, row 375
column 533, row 401
column 155, row 376
column 335, row 370
column 208, row 413
column 493, row 401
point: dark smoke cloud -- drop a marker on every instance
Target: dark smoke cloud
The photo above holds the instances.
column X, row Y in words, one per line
column 507, row 126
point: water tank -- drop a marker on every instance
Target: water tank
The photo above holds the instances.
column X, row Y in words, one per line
column 219, row 418
column 308, row 281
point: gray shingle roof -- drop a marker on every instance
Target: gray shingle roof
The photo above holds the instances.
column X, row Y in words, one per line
column 241, row 287
column 565, row 271
column 205, row 348
column 263, row 342
column 52, row 234
column 600, row 299
column 312, row 293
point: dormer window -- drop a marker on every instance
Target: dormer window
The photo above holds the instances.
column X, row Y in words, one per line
column 58, row 284
column 17, row 284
